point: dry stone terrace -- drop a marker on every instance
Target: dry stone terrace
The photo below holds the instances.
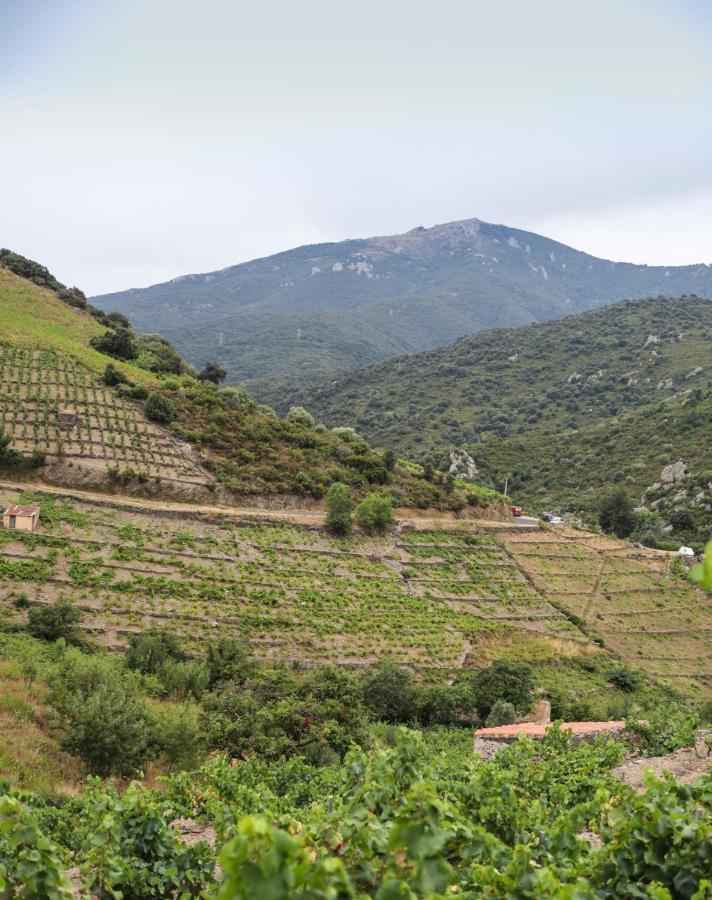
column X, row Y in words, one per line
column 53, row 405
column 429, row 599
column 627, row 598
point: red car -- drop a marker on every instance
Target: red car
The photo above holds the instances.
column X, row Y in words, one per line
column 516, row 511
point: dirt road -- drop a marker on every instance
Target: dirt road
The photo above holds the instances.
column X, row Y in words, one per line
column 421, row 520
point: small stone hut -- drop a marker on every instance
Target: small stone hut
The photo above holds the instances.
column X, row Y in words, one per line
column 21, row 518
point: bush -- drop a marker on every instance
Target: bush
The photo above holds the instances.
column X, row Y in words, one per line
column 625, row 679
column 119, row 343
column 300, row 416
column 112, row 377
column 389, row 692
column 212, row 372
column 616, row 514
column 159, row 409
column 55, row 621
column 339, row 506
column 502, row 713
column 666, row 729
column 109, row 728
column 8, row 456
column 505, row 679
column 375, row 513
column 147, row 652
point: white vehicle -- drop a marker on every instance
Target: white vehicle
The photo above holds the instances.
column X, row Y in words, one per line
column 556, row 520
column 687, row 552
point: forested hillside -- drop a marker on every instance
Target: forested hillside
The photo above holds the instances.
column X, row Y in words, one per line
column 562, row 409
column 329, row 307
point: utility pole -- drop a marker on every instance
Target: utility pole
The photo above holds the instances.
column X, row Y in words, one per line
column 506, row 482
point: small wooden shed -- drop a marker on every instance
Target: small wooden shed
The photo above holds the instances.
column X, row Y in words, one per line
column 21, row 518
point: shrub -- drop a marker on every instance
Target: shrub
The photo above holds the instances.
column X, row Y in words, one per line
column 109, row 729
column 55, row 621
column 339, row 506
column 625, row 679
column 389, row 692
column 502, row 713
column 112, row 377
column 505, row 679
column 212, row 372
column 119, row 343
column 666, row 729
column 300, row 416
column 375, row 513
column 8, row 456
column 148, row 651
column 159, row 409
column 616, row 514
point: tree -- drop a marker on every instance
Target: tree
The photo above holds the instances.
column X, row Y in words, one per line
column 119, row 343
column 55, row 621
column 212, row 372
column 300, row 416
column 375, row 513
column 389, row 692
column 148, row 651
column 616, row 514
column 159, row 409
column 505, row 679
column 339, row 506
column 110, row 729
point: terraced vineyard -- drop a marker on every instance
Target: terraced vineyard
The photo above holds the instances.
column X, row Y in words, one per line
column 627, row 598
column 432, row 599
column 53, row 405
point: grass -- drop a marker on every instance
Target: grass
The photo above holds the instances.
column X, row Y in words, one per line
column 33, row 317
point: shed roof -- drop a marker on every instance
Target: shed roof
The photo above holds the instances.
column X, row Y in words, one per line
column 16, row 509
column 533, row 729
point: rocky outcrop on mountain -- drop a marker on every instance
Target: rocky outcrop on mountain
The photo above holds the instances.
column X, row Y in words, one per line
column 462, row 465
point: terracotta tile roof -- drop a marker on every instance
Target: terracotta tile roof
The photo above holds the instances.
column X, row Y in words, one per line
column 532, row 729
column 17, row 510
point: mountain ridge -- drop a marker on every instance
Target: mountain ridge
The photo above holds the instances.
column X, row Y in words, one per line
column 331, row 306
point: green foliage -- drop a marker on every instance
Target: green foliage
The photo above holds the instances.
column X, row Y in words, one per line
column 109, row 729
column 702, row 573
column 616, row 514
column 159, row 408
column 389, row 692
column 666, row 728
column 506, row 680
column 155, row 354
column 502, row 713
column 375, row 513
column 300, row 416
column 212, row 372
column 8, row 456
column 625, row 679
column 31, row 865
column 112, row 377
column 149, row 650
column 118, row 342
column 53, row 621
column 339, row 506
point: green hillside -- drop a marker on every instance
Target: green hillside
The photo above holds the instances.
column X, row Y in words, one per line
column 562, row 409
column 70, row 424
column 328, row 307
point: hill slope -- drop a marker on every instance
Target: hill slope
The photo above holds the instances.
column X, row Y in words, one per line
column 563, row 408
column 74, row 428
column 435, row 600
column 334, row 306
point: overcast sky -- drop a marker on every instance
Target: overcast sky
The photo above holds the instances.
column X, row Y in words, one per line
column 144, row 139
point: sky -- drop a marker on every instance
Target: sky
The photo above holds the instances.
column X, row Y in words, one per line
column 145, row 139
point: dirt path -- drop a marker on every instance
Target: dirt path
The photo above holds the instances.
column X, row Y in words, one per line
column 421, row 520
